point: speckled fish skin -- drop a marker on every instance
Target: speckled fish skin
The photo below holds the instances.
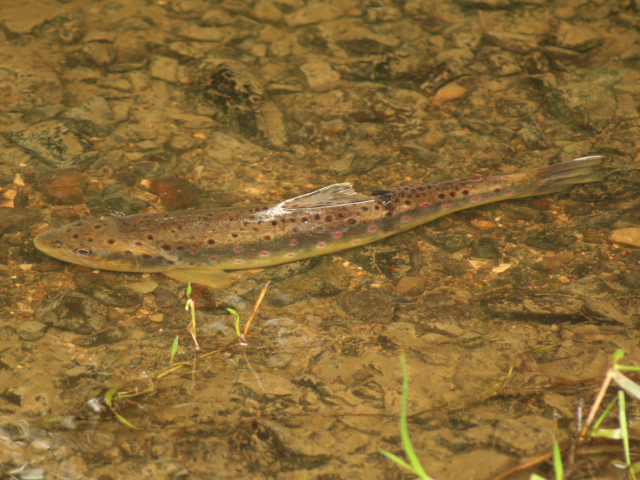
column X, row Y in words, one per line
column 199, row 245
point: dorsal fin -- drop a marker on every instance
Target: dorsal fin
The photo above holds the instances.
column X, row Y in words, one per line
column 331, row 196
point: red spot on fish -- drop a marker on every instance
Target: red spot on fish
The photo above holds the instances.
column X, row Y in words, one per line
column 393, row 269
column 238, row 261
column 356, row 241
column 509, row 191
column 475, row 199
column 264, row 253
column 193, row 250
column 337, row 234
column 446, row 206
column 372, row 228
column 238, row 249
column 405, row 218
column 425, row 206
column 213, row 258
column 294, row 242
column 289, row 254
column 321, row 245
column 267, row 237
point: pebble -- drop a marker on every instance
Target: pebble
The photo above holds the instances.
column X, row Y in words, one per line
column 93, row 117
column 73, row 312
column 485, row 247
column 142, row 287
column 111, row 295
column 320, row 76
column 410, row 286
column 451, row 91
column 31, row 331
column 176, row 193
column 56, row 145
column 553, row 262
column 14, row 219
column 368, row 306
column 62, row 186
column 314, row 12
column 626, row 236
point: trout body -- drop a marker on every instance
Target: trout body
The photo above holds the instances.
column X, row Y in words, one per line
column 199, row 246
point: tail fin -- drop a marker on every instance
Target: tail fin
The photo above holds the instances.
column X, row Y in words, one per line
column 563, row 175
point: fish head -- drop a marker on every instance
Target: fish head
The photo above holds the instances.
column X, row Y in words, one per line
column 95, row 244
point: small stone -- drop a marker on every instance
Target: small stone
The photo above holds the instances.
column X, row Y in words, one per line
column 144, row 288
column 202, row 34
column 512, row 42
column 73, row 312
column 14, row 219
column 12, row 239
column 62, row 186
column 314, row 12
column 450, row 91
column 555, row 261
column 111, row 295
column 479, row 223
column 320, row 76
column 156, row 317
column 449, row 329
column 93, row 117
column 577, row 37
column 55, row 144
column 31, row 331
column 410, row 286
column 626, row 236
column 176, row 193
column 368, row 306
column 5, row 271
column 485, row 247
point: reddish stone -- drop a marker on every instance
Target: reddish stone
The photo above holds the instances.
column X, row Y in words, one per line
column 539, row 203
column 410, row 286
column 176, row 193
column 62, row 186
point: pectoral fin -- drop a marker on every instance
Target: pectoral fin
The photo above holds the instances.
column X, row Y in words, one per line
column 211, row 278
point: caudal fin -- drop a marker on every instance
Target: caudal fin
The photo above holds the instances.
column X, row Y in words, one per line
column 561, row 176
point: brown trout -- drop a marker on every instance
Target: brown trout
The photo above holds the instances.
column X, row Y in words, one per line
column 199, row 246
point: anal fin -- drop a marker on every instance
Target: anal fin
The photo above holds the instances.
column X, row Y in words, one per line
column 211, row 278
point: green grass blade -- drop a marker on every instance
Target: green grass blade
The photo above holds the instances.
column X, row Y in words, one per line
column 396, row 459
column 617, row 355
column 625, row 383
column 404, row 429
column 557, row 460
column 536, row 477
column 174, row 348
column 622, row 415
column 604, row 414
column 236, row 318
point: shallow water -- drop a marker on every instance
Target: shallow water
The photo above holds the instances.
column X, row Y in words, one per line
column 262, row 101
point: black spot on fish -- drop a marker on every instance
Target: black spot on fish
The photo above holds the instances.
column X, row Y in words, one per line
column 316, row 216
column 377, row 207
column 211, row 241
column 267, row 237
column 293, row 220
column 351, row 221
column 365, row 209
column 128, row 252
column 304, row 220
column 329, row 218
column 111, row 241
column 452, row 194
column 274, row 223
column 234, row 235
column 75, row 236
column 146, row 255
column 407, row 202
column 180, row 247
column 341, row 215
column 465, row 192
column 89, row 239
column 166, row 247
column 389, row 214
column 170, row 262
column 441, row 195
column 97, row 227
column 150, row 237
column 497, row 190
column 160, row 258
column 138, row 244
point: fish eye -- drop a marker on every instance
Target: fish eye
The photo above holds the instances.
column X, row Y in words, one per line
column 83, row 251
